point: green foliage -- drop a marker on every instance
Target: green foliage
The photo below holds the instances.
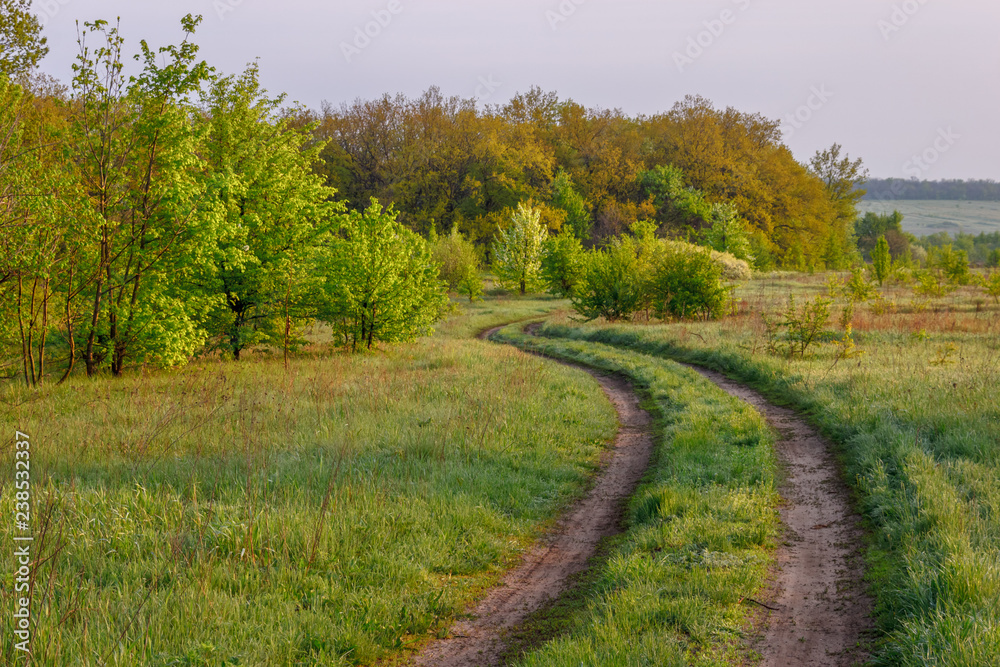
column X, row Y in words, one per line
column 612, row 285
column 953, row 264
column 881, row 260
column 842, row 177
column 381, row 283
column 681, row 208
column 276, row 212
column 991, row 285
column 932, row 283
column 687, row 285
column 563, row 261
column 21, row 41
column 458, row 263
column 858, row 289
column 802, row 327
column 517, row 251
column 149, row 233
column 566, row 198
column 728, row 234
column 994, row 258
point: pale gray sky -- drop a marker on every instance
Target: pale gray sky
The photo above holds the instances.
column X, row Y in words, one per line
column 911, row 86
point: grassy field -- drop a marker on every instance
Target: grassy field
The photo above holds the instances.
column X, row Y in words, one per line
column 913, row 406
column 673, row 589
column 336, row 513
column 923, row 218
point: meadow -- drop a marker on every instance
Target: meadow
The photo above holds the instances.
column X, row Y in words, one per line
column 335, row 512
column 909, row 398
column 923, row 218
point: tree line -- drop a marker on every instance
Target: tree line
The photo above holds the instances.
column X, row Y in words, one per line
column 150, row 217
column 153, row 212
column 447, row 163
column 881, row 189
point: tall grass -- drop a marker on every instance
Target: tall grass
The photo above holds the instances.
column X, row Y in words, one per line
column 676, row 589
column 917, row 419
column 336, row 513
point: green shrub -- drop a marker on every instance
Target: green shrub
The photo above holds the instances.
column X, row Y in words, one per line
column 612, row 284
column 687, row 284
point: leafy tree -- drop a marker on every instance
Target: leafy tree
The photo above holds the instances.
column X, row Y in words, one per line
column 458, row 262
column 137, row 159
column 678, row 207
column 275, row 211
column 881, row 260
column 612, row 285
column 517, row 251
column 728, row 233
column 842, row 177
column 21, row 41
column 562, row 263
column 991, row 285
column 381, row 282
column 953, row 264
column 566, row 198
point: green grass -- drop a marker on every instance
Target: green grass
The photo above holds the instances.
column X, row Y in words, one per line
column 338, row 513
column 918, row 428
column 923, row 218
column 702, row 527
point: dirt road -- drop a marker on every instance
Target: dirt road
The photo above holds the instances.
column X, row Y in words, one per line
column 821, row 609
column 546, row 571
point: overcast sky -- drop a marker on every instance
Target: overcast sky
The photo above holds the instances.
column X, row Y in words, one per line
column 910, row 86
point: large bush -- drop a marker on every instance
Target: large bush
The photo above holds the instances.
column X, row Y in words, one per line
column 669, row 278
column 687, row 284
column 612, row 285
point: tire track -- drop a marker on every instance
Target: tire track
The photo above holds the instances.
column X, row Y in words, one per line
column 821, row 611
column 545, row 572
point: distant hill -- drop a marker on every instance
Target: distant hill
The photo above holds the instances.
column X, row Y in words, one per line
column 926, row 217
column 887, row 189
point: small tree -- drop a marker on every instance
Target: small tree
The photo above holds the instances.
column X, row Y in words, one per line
column 562, row 263
column 728, row 232
column 458, row 262
column 517, row 251
column 381, row 283
column 881, row 260
column 991, row 285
